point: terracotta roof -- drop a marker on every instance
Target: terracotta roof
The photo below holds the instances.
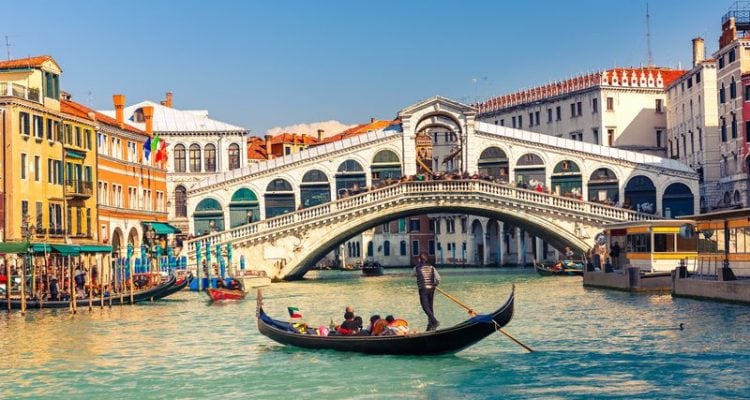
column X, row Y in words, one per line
column 358, row 130
column 78, row 109
column 256, row 148
column 27, row 62
column 293, row 138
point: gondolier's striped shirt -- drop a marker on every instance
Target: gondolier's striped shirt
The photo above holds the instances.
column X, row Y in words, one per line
column 427, row 276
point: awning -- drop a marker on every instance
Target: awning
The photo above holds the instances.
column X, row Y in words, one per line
column 66, row 249
column 74, row 154
column 162, row 228
column 95, row 248
column 13, row 247
column 41, row 248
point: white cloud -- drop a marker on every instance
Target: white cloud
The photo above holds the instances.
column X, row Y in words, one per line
column 330, row 127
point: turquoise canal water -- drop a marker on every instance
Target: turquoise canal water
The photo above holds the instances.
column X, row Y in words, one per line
column 589, row 344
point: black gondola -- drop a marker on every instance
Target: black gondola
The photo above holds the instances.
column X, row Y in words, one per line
column 443, row 341
column 372, row 268
column 154, row 293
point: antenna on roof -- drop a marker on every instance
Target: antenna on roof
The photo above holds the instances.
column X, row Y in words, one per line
column 7, row 46
column 649, row 56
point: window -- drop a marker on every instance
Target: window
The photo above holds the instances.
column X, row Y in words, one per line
column 684, row 146
column 179, row 158
column 514, row 121
column 594, row 105
column 50, row 129
column 659, row 106
column 431, row 247
column 732, row 55
column 732, row 89
column 437, row 225
column 658, row 138
column 734, row 126
column 520, row 122
column 747, row 92
column 24, row 210
column 195, row 158
column 79, row 220
column 579, row 109
column 180, row 201
column 531, row 119
column 723, row 129
column 558, row 113
column 387, row 248
column 722, row 95
column 402, row 248
column 536, row 115
column 38, row 127
column 450, row 225
column 572, row 110
column 415, row 247
column 610, row 103
column 698, row 77
column 721, row 61
column 595, row 133
column 87, row 139
column 610, row 137
column 414, row 225
column 37, row 168
column 24, row 123
column 549, row 115
column 78, row 136
column 690, row 82
column 88, row 222
column 502, row 122
column 23, row 166
column 234, row 156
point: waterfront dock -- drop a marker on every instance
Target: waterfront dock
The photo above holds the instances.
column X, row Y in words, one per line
column 629, row 279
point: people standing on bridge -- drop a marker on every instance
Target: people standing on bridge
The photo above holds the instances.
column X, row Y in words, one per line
column 428, row 279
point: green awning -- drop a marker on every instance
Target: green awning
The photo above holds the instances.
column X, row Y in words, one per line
column 41, row 248
column 95, row 248
column 13, row 247
column 162, row 228
column 74, row 154
column 66, row 249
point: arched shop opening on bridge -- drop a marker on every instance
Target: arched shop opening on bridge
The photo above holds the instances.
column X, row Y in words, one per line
column 566, row 179
column 314, row 189
column 208, row 217
column 385, row 166
column 279, row 198
column 530, row 171
column 493, row 162
column 640, row 194
column 678, row 200
column 244, row 208
column 604, row 187
column 350, row 178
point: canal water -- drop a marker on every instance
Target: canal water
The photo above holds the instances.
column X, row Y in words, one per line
column 588, row 344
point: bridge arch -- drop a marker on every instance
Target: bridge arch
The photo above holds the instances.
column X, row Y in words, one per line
column 315, row 188
column 494, row 162
column 538, row 225
column 279, row 198
column 244, row 207
column 432, row 119
column 640, row 194
column 208, row 217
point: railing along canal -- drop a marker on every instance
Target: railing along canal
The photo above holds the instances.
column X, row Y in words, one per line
column 418, row 189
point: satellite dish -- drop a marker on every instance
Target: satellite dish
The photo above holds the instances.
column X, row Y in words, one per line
column 686, row 231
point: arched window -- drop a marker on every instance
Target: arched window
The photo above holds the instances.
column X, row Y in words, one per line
column 180, row 200
column 210, row 153
column 370, row 249
column 195, row 158
column 179, row 159
column 402, row 248
column 387, row 248
column 234, row 156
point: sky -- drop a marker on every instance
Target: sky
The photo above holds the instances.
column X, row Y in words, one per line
column 271, row 65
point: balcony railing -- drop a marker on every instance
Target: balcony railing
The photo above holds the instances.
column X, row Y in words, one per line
column 16, row 90
column 75, row 187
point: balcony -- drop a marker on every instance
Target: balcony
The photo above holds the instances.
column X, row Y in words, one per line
column 16, row 90
column 78, row 188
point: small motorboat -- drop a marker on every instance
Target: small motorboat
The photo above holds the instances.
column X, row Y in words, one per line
column 251, row 279
column 225, row 294
column 557, row 269
column 372, row 268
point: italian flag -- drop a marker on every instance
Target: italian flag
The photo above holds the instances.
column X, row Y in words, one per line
column 294, row 312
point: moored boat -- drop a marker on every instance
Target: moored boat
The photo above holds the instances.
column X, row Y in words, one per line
column 150, row 294
column 558, row 269
column 252, row 279
column 442, row 341
column 225, row 294
column 372, row 268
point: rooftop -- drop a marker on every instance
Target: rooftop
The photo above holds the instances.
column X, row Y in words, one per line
column 169, row 119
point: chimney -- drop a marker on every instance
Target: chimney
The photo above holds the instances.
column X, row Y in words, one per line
column 320, row 135
column 699, row 51
column 268, row 146
column 168, row 101
column 148, row 116
column 119, row 100
column 372, row 120
column 294, row 138
column 304, row 136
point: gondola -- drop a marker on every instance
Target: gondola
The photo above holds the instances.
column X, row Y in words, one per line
column 372, row 268
column 225, row 294
column 154, row 293
column 544, row 270
column 442, row 341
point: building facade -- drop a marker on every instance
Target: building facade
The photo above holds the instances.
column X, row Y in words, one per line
column 693, row 125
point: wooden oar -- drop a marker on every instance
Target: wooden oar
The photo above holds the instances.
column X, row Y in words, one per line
column 472, row 313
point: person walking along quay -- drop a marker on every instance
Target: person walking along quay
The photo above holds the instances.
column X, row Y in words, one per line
column 428, row 279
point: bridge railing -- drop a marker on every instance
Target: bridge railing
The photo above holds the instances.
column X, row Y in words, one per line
column 416, row 189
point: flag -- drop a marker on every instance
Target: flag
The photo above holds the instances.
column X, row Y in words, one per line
column 161, row 155
column 147, row 148
column 294, row 312
column 155, row 143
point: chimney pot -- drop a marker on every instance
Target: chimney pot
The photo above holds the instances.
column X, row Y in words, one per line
column 168, row 101
column 372, row 120
column 699, row 51
column 119, row 100
column 320, row 135
column 148, row 117
column 268, row 147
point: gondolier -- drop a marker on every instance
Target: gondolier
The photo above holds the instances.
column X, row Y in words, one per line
column 427, row 280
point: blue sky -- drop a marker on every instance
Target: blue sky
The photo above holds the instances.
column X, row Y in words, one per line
column 278, row 63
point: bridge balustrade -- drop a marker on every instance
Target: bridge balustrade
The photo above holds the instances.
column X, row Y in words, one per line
column 415, row 189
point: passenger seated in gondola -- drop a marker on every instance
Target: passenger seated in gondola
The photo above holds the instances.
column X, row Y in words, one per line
column 234, row 284
column 349, row 326
column 395, row 327
column 220, row 284
column 377, row 325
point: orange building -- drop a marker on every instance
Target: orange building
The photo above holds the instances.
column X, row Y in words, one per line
column 131, row 188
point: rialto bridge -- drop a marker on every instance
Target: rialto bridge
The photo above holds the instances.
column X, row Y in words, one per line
column 284, row 214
